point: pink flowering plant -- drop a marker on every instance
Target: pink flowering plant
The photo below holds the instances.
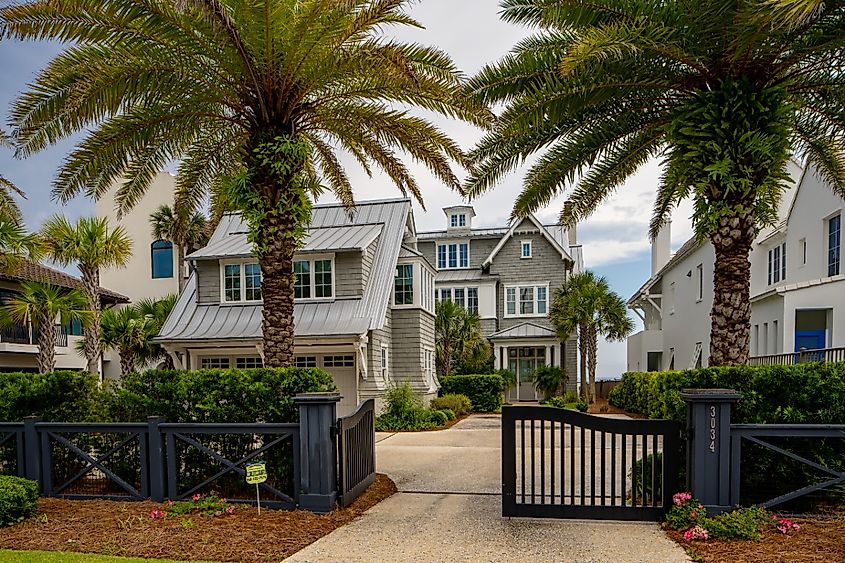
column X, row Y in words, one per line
column 785, row 525
column 206, row 505
column 686, row 512
column 687, row 515
column 696, row 533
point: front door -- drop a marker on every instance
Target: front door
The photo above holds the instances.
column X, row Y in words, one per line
column 524, row 361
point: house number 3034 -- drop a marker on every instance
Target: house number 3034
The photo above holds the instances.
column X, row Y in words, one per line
column 713, row 428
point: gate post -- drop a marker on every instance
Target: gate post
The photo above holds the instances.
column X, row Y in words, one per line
column 155, row 458
column 32, row 451
column 317, row 451
column 709, row 446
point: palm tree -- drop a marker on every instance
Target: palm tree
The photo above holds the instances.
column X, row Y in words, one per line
column 586, row 303
column 185, row 227
column 125, row 330
column 156, row 312
column 264, row 94
column 16, row 243
column 91, row 245
column 42, row 304
column 9, row 209
column 457, row 336
column 722, row 92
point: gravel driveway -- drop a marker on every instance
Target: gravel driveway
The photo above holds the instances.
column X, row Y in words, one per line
column 449, row 509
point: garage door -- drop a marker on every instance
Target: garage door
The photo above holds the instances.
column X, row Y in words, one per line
column 342, row 370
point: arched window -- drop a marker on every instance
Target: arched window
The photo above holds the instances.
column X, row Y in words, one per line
column 162, row 259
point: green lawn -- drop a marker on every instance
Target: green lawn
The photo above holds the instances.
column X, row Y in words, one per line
column 67, row 557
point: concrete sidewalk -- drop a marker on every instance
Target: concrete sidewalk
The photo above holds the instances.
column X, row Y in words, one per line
column 449, row 509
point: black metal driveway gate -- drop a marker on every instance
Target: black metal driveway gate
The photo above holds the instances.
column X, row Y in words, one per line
column 559, row 463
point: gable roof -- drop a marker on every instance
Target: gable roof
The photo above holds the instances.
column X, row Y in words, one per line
column 192, row 321
column 28, row 270
column 524, row 330
column 543, row 232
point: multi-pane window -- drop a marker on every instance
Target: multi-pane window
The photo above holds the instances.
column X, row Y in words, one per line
column 445, row 295
column 834, row 245
column 403, row 286
column 313, row 279
column 529, row 300
column 699, row 281
column 460, row 297
column 472, row 300
column 338, row 361
column 458, row 220
column 241, row 282
column 384, row 371
column 231, row 282
column 214, row 362
column 777, row 264
column 452, row 255
column 252, row 282
column 249, row 362
column 162, row 259
column 305, row 361
column 526, row 249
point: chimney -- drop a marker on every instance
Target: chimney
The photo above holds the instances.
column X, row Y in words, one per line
column 661, row 248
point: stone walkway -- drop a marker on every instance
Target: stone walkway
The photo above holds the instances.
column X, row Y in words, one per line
column 449, row 509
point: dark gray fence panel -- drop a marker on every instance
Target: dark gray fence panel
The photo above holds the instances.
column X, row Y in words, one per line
column 356, row 452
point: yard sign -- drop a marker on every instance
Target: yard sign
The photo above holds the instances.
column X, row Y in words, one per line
column 256, row 473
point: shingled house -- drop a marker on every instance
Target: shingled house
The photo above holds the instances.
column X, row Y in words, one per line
column 364, row 302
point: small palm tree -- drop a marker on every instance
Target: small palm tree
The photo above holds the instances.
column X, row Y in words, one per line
column 42, row 305
column 124, row 329
column 184, row 227
column 721, row 92
column 457, row 336
column 268, row 94
column 90, row 244
column 586, row 303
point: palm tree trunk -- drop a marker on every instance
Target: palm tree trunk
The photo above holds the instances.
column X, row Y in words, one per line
column 583, row 350
column 91, row 285
column 591, row 362
column 127, row 361
column 180, row 265
column 277, row 287
column 46, row 343
column 730, row 318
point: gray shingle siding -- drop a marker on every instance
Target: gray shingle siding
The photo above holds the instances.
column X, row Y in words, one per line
column 348, row 279
column 479, row 248
column 413, row 332
column 208, row 281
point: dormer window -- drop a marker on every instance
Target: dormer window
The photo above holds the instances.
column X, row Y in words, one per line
column 458, row 220
column 241, row 282
column 314, row 279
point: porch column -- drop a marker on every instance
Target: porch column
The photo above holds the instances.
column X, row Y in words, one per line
column 497, row 356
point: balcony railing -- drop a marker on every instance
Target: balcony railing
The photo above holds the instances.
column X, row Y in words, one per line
column 23, row 334
column 801, row 357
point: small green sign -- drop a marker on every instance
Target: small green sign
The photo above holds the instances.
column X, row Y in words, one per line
column 256, row 473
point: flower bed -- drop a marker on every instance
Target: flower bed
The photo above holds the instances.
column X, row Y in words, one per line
column 190, row 530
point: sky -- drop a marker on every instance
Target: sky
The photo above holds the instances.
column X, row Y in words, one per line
column 615, row 241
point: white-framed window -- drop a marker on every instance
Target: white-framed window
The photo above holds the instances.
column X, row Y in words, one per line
column 672, row 298
column 526, row 300
column 305, row 361
column 472, row 300
column 403, row 286
column 443, row 294
column 384, row 371
column 214, row 362
column 314, row 278
column 460, row 297
column 699, row 282
column 834, row 245
column 428, row 366
column 344, row 361
column 525, row 249
column 249, row 362
column 777, row 264
column 240, row 282
column 802, row 251
column 452, row 255
column 458, row 220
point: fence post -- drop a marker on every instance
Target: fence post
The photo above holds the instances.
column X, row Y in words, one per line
column 317, row 451
column 32, row 451
column 709, row 446
column 155, row 458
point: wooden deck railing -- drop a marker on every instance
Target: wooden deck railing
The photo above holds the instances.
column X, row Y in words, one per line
column 801, row 357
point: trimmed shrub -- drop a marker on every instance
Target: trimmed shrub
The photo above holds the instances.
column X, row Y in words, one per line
column 439, row 417
column 404, row 411
column 450, row 414
column 484, row 391
column 18, row 499
column 558, row 402
column 458, row 404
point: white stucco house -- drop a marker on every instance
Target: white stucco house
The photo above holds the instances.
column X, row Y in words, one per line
column 797, row 286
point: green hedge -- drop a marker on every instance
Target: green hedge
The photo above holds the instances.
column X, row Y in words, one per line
column 805, row 393
column 484, row 391
column 18, row 499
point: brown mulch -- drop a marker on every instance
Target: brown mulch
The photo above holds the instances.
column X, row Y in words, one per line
column 819, row 541
column 125, row 528
column 601, row 406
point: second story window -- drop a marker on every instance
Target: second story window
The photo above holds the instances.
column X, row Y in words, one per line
column 452, row 255
column 526, row 301
column 314, row 279
column 162, row 259
column 699, row 282
column 472, row 300
column 777, row 264
column 403, row 292
column 526, row 249
column 834, row 245
column 241, row 282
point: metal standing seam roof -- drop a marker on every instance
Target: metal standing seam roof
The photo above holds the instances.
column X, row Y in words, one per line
column 319, row 239
column 524, row 330
column 191, row 321
column 473, row 274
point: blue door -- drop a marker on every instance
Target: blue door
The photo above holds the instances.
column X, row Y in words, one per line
column 809, row 339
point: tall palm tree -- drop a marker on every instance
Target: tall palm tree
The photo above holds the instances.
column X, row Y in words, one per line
column 457, row 336
column 90, row 244
column 42, row 304
column 184, row 227
column 586, row 303
column 722, row 92
column 267, row 94
column 9, row 209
